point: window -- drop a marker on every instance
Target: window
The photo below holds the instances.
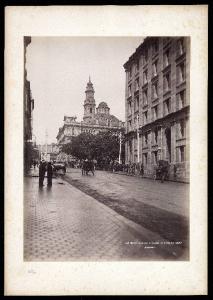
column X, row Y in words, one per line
column 181, row 100
column 130, row 146
column 154, row 157
column 32, row 104
column 129, row 91
column 145, row 159
column 180, row 154
column 145, row 97
column 180, row 46
column 155, row 136
column 166, row 81
column 181, row 73
column 155, row 46
column 166, row 58
column 145, row 139
column 129, row 107
column 155, row 68
column 137, row 84
column 145, row 56
column 167, row 108
column 145, row 117
column 181, row 129
column 155, row 90
column 90, row 110
column 137, row 65
column 155, row 112
column 137, row 103
column 145, row 77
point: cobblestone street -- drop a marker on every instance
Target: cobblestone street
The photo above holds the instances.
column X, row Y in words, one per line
column 162, row 208
column 64, row 223
column 171, row 196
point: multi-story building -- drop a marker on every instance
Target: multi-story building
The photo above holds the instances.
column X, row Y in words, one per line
column 28, row 109
column 49, row 149
column 94, row 119
column 157, row 105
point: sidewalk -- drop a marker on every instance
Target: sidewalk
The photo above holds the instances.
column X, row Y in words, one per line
column 62, row 223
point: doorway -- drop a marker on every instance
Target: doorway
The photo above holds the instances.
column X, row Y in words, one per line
column 168, row 143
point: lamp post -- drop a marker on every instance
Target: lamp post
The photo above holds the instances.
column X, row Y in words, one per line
column 138, row 138
column 119, row 160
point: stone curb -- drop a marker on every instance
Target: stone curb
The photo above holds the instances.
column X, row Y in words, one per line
column 144, row 177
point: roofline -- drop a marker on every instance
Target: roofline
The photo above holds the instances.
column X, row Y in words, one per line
column 137, row 51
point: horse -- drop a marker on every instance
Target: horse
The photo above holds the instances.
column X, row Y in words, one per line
column 87, row 166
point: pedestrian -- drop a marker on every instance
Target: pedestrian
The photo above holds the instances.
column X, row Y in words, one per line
column 175, row 171
column 42, row 170
column 142, row 170
column 34, row 164
column 49, row 173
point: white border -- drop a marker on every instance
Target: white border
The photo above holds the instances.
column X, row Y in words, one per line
column 105, row 278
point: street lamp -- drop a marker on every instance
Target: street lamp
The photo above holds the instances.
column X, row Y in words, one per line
column 119, row 160
column 138, row 138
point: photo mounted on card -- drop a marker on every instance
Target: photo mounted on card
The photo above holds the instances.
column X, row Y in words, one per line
column 107, row 180
column 126, row 155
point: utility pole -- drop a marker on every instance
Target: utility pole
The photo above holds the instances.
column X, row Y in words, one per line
column 138, row 138
column 119, row 160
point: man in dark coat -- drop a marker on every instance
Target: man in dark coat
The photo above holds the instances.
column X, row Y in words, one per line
column 142, row 170
column 49, row 173
column 42, row 170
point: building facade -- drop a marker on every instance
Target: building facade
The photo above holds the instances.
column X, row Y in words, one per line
column 52, row 150
column 28, row 113
column 157, row 102
column 94, row 119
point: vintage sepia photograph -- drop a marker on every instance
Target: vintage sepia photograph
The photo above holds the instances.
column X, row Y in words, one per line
column 106, row 148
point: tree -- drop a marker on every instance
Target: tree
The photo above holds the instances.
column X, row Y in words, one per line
column 80, row 146
column 104, row 146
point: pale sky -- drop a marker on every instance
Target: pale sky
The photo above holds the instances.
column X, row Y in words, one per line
column 58, row 69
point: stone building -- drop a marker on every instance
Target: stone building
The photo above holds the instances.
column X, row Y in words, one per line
column 94, row 119
column 49, row 149
column 157, row 105
column 28, row 110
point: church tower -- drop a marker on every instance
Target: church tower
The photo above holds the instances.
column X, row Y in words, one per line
column 89, row 103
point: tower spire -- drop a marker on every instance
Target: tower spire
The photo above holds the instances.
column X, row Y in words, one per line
column 89, row 102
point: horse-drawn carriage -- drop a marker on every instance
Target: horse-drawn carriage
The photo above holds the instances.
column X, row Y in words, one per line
column 162, row 170
column 59, row 168
column 88, row 166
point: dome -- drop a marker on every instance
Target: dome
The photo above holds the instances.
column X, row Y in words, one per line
column 103, row 105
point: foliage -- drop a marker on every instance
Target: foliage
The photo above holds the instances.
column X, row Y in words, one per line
column 80, row 146
column 104, row 146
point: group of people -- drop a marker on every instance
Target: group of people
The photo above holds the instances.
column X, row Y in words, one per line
column 130, row 168
column 35, row 163
column 43, row 168
column 87, row 165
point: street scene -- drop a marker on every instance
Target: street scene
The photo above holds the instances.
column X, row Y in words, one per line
column 106, row 154
column 98, row 218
